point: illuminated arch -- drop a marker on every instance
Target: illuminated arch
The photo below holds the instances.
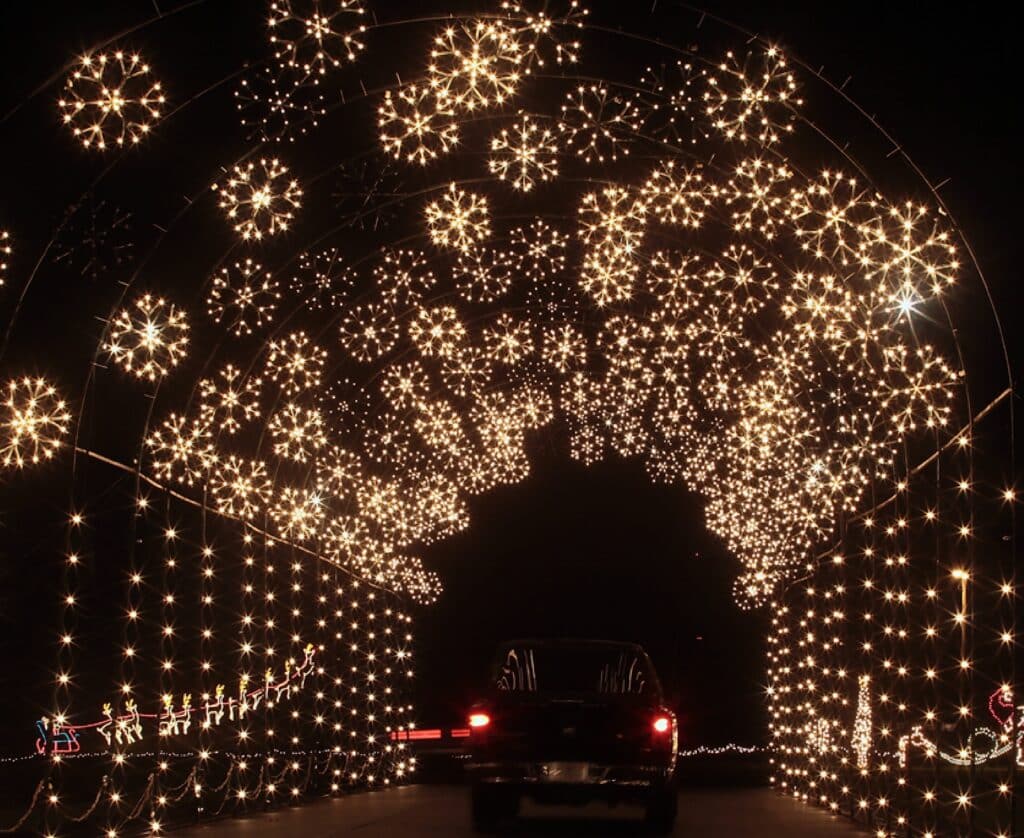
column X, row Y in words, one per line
column 680, row 288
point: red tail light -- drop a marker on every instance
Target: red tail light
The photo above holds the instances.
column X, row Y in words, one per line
column 662, row 724
column 478, row 721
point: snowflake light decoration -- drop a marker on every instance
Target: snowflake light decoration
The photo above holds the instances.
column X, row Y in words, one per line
column 298, row 432
column 298, row 513
column 669, row 103
column 243, row 296
column 612, row 226
column 403, row 276
column 111, row 99
column 181, row 450
column 35, row 420
column 467, row 370
column 565, row 348
column 295, row 363
column 675, row 196
column 415, row 125
column 241, row 488
column 483, row 274
column 148, row 338
column 259, row 198
column 598, row 125
column 758, row 104
column 316, row 35
column 437, row 331
column 542, row 27
column 274, row 107
column 338, row 471
column 459, row 219
column 538, row 251
column 369, row 331
column 476, row 65
column 322, row 281
column 368, row 192
column 406, row 386
column 524, row 154
column 96, row 237
column 508, row 340
column 229, row 400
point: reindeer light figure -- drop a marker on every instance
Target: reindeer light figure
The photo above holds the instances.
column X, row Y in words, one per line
column 108, row 723
column 169, row 724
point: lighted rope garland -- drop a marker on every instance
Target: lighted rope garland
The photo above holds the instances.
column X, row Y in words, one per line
column 688, row 296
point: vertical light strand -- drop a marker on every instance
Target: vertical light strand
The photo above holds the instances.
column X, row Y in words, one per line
column 300, row 761
column 342, row 722
column 251, row 669
column 208, row 660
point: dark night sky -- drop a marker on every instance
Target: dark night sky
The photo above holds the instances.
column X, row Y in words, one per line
column 602, row 551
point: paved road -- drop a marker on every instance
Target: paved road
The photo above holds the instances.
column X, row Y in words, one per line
column 422, row 811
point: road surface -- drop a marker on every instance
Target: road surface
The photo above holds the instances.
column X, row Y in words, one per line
column 422, row 811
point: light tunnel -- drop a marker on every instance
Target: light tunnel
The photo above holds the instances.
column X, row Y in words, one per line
column 271, row 329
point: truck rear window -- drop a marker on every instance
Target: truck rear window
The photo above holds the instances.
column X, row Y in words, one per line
column 574, row 669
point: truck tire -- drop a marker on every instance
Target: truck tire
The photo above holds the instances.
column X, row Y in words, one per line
column 490, row 806
column 661, row 810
